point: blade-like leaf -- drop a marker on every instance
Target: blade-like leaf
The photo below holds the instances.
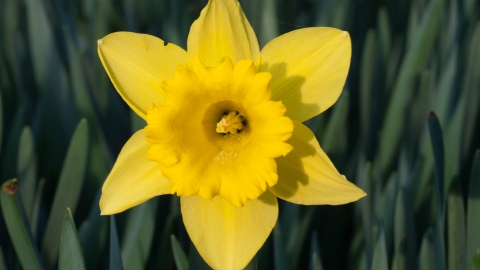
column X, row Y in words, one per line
column 1, row 120
column 36, row 207
column 252, row 265
column 17, row 227
column 426, row 260
column 315, row 263
column 456, row 227
column 195, row 261
column 280, row 258
column 27, row 170
column 436, row 136
column 298, row 235
column 8, row 166
column 367, row 76
column 138, row 235
column 404, row 233
column 335, row 124
column 115, row 255
column 70, row 256
column 415, row 60
column 476, row 260
column 3, row 265
column 269, row 22
column 179, row 256
column 93, row 234
column 67, row 192
column 380, row 258
column 384, row 33
column 473, row 211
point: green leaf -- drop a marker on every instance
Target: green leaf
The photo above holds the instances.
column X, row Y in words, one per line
column 445, row 88
column 115, row 256
column 336, row 122
column 49, row 71
column 280, row 258
column 384, row 34
column 27, row 170
column 385, row 206
column 8, row 165
column 179, row 256
column 366, row 207
column 439, row 242
column 298, row 235
column 469, row 9
column 269, row 22
column 415, row 60
column 67, row 192
column 456, row 227
column 1, row 120
column 367, row 76
column 412, row 27
column 83, row 102
column 476, row 260
column 137, row 122
column 432, row 249
column 436, row 136
column 252, row 265
column 453, row 135
column 471, row 84
column 315, row 263
column 71, row 256
column 3, row 265
column 138, row 235
column 17, row 227
column 357, row 254
column 58, row 115
column 165, row 255
column 93, row 233
column 164, row 246
column 473, row 211
column 195, row 261
column 404, row 233
column 426, row 260
column 380, row 258
column 36, row 207
column 98, row 162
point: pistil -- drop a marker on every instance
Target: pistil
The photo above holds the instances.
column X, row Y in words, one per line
column 232, row 122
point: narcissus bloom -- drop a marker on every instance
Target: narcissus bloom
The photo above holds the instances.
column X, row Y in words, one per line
column 224, row 127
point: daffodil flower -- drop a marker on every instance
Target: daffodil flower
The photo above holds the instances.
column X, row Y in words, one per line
column 224, row 127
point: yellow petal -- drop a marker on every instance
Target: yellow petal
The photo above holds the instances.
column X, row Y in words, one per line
column 222, row 31
column 307, row 176
column 227, row 236
column 137, row 64
column 133, row 179
column 309, row 67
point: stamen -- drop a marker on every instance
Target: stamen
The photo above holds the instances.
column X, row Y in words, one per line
column 232, row 122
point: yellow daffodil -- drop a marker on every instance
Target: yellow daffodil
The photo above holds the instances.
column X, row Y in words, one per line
column 224, row 127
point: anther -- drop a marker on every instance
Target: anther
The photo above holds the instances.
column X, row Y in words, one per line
column 233, row 122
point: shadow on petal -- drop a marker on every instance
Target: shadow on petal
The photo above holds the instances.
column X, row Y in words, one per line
column 293, row 163
column 292, row 99
column 307, row 176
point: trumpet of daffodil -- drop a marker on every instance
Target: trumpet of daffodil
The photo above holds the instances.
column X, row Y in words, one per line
column 224, row 127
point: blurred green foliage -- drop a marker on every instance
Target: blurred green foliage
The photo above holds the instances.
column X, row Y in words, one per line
column 62, row 125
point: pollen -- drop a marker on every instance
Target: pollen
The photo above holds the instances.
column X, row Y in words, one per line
column 232, row 122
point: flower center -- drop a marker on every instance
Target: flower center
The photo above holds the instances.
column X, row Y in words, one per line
column 231, row 122
column 218, row 152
